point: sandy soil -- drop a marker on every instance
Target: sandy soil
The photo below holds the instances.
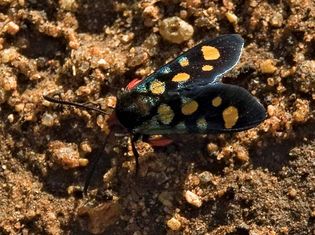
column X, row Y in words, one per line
column 260, row 181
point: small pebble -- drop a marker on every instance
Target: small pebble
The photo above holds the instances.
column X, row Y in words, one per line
column 11, row 118
column 205, row 177
column 175, row 30
column 9, row 83
column 71, row 190
column 127, row 37
column 48, row 119
column 67, row 5
column 183, row 14
column 192, row 3
column 100, row 121
column 150, row 15
column 12, row 28
column 8, row 55
column 65, row 154
column 231, row 17
column 137, row 56
column 195, row 180
column 174, row 224
column 211, row 147
column 271, row 81
column 111, row 101
column 292, row 193
column 271, row 110
column 98, row 218
column 241, row 153
column 277, row 19
column 302, row 110
column 103, row 63
column 85, row 146
column 193, row 199
column 267, row 66
column 83, row 162
column 21, row 3
column 284, row 230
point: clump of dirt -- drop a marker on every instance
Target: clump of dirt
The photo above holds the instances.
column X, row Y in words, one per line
column 259, row 181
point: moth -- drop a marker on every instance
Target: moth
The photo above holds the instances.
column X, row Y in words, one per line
column 187, row 96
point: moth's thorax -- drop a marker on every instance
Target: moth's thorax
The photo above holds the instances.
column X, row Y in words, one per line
column 133, row 108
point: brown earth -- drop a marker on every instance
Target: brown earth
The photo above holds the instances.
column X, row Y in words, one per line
column 260, row 181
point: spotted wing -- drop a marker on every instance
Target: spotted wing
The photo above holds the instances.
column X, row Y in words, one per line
column 203, row 64
column 215, row 108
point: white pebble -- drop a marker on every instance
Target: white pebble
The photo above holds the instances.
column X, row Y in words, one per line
column 176, row 30
column 193, row 199
column 11, row 118
column 48, row 119
column 174, row 224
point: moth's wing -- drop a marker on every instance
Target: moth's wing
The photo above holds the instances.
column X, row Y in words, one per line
column 216, row 108
column 203, row 64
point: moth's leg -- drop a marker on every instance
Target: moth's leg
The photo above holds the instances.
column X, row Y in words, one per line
column 135, row 138
column 160, row 141
column 157, row 140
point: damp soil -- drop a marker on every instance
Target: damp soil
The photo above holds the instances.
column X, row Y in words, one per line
column 260, row 181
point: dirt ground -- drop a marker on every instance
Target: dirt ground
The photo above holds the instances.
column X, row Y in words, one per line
column 260, row 181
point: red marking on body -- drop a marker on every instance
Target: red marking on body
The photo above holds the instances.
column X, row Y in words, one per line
column 160, row 141
column 132, row 84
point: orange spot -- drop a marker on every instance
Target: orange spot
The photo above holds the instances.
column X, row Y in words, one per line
column 230, row 116
column 181, row 77
column 190, row 107
column 183, row 61
column 210, row 53
column 217, row 101
column 207, row 68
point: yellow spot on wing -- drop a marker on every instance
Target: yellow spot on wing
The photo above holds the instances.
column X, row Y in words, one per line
column 230, row 116
column 181, row 77
column 217, row 101
column 202, row 123
column 207, row 68
column 190, row 107
column 157, row 87
column 183, row 61
column 165, row 114
column 210, row 53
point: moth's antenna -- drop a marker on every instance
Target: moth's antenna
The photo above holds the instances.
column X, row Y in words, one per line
column 75, row 104
column 134, row 138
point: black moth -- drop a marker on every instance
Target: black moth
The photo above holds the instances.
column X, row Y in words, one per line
column 186, row 96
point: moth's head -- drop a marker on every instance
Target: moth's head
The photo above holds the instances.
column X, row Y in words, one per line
column 132, row 109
